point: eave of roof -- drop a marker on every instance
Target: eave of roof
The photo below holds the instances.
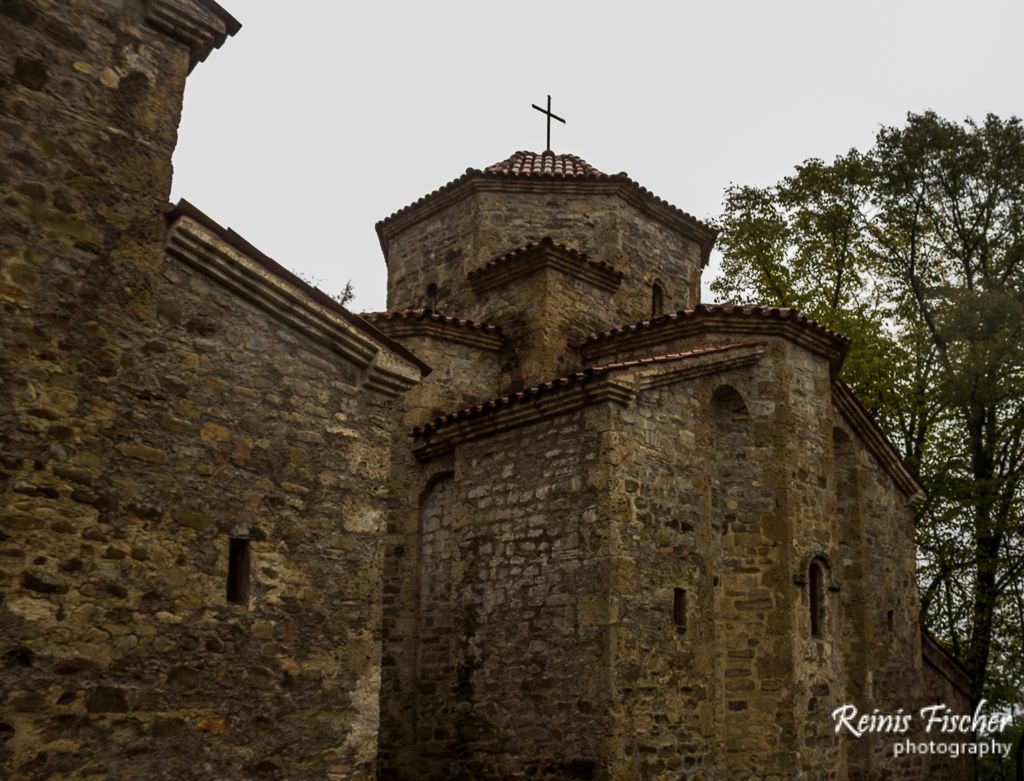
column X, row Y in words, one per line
column 426, row 322
column 546, row 252
column 185, row 209
column 589, row 180
column 202, row 25
column 231, row 24
column 561, row 383
column 943, row 662
column 752, row 319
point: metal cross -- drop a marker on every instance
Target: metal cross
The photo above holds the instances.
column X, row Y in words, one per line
column 550, row 116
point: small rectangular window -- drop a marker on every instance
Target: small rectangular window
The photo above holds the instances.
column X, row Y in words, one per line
column 890, row 620
column 238, row 571
column 679, row 610
column 817, row 596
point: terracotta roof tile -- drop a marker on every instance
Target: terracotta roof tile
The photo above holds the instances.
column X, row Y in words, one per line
column 544, row 164
column 728, row 310
column 429, row 314
column 576, row 378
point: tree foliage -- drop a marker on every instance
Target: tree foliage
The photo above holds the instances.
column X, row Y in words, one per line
column 915, row 249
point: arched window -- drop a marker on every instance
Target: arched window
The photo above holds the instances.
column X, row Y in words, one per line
column 657, row 300
column 432, row 297
column 816, row 580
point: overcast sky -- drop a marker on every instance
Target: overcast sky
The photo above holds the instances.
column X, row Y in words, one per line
column 319, row 118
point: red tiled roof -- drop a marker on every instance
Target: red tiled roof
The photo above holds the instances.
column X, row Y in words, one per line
column 544, row 164
column 429, row 314
column 768, row 312
column 577, row 378
column 185, row 209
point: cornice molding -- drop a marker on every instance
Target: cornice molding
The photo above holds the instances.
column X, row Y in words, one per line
column 382, row 371
column 202, row 25
column 712, row 364
column 436, row 326
column 944, row 663
column 432, row 444
column 639, row 340
column 568, row 394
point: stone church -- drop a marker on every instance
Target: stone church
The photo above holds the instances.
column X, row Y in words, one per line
column 547, row 517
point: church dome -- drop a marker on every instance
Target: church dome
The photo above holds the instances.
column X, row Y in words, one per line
column 544, row 164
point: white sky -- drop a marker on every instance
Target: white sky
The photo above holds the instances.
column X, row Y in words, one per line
column 319, row 118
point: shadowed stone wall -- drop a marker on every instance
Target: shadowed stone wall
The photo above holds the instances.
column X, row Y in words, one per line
column 418, row 594
column 151, row 415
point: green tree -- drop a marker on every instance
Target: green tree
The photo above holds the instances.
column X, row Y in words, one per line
column 915, row 249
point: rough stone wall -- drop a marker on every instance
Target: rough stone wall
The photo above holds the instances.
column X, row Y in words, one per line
column 838, row 501
column 464, row 375
column 728, row 691
column 444, row 247
column 148, row 417
column 511, row 612
column 439, row 250
column 664, row 679
column 223, row 426
column 605, row 228
column 711, row 512
column 944, row 684
column 896, row 675
column 417, row 495
column 544, row 315
column 727, row 487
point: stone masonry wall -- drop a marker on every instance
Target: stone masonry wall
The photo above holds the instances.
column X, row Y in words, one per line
column 665, row 682
column 512, row 612
column 544, row 315
column 148, row 417
column 717, row 690
column 842, row 504
column 444, row 247
column 726, row 487
column 418, row 497
column 219, row 425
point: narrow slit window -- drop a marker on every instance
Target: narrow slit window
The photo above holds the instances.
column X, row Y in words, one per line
column 238, row 571
column 679, row 610
column 890, row 620
column 657, row 300
column 432, row 297
column 817, row 583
